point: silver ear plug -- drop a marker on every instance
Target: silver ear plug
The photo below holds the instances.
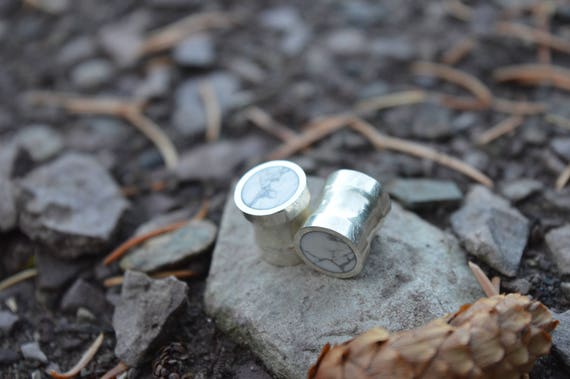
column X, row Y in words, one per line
column 335, row 238
column 274, row 197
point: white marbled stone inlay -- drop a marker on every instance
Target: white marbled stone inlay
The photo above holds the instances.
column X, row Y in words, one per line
column 328, row 252
column 270, row 187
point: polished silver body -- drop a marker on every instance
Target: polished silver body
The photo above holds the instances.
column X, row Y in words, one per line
column 274, row 197
column 335, row 238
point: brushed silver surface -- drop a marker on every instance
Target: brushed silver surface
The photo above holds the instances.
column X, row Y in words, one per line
column 274, row 197
column 335, row 238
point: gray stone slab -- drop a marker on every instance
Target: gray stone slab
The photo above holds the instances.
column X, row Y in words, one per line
column 8, row 211
column 40, row 141
column 72, row 205
column 33, row 351
column 415, row 273
column 148, row 311
column 491, row 229
column 85, row 295
column 520, row 189
column 7, row 321
column 172, row 249
column 195, row 51
column 561, row 337
column 222, row 158
column 558, row 241
column 189, row 115
column 417, row 193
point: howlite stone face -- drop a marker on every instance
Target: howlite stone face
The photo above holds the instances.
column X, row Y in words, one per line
column 270, row 188
column 328, row 252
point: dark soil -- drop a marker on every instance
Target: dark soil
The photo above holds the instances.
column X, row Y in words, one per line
column 293, row 89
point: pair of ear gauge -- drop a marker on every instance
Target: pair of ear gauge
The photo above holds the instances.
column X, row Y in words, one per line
column 332, row 236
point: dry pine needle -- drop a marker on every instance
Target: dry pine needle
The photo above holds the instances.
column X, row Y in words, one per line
column 535, row 74
column 83, row 362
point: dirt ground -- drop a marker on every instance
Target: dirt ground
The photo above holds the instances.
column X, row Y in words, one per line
column 333, row 55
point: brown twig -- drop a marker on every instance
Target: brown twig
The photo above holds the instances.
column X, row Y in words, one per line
column 314, row 132
column 17, row 278
column 83, row 362
column 179, row 274
column 506, row 126
column 518, row 9
column 486, row 284
column 168, row 36
column 533, row 35
column 130, row 243
column 127, row 245
column 381, row 141
column 116, row 371
column 535, row 74
column 212, row 110
column 459, row 10
column 521, row 108
column 458, row 51
column 157, row 186
column 538, row 36
column 153, row 132
column 482, row 94
column 322, row 128
column 131, row 111
column 389, row 101
column 265, row 122
column 542, row 13
column 563, row 179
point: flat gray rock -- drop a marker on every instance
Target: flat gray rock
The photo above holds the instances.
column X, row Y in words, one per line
column 92, row 73
column 147, row 311
column 123, row 39
column 189, row 114
column 222, row 157
column 558, row 241
column 172, row 248
column 432, row 122
column 562, row 147
column 520, row 189
column 163, row 220
column 85, row 295
column 71, row 205
column 40, row 142
column 417, row 193
column 8, row 356
column 561, row 337
column 394, row 48
column 54, row 273
column 76, row 50
column 415, row 273
column 492, row 230
column 8, row 210
column 9, row 151
column 288, row 22
column 195, row 51
column 7, row 321
column 346, row 42
column 32, row 351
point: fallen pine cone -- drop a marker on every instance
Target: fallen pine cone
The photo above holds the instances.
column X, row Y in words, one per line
column 498, row 337
column 172, row 362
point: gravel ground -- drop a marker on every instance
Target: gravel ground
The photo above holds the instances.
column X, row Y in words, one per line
column 294, row 60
